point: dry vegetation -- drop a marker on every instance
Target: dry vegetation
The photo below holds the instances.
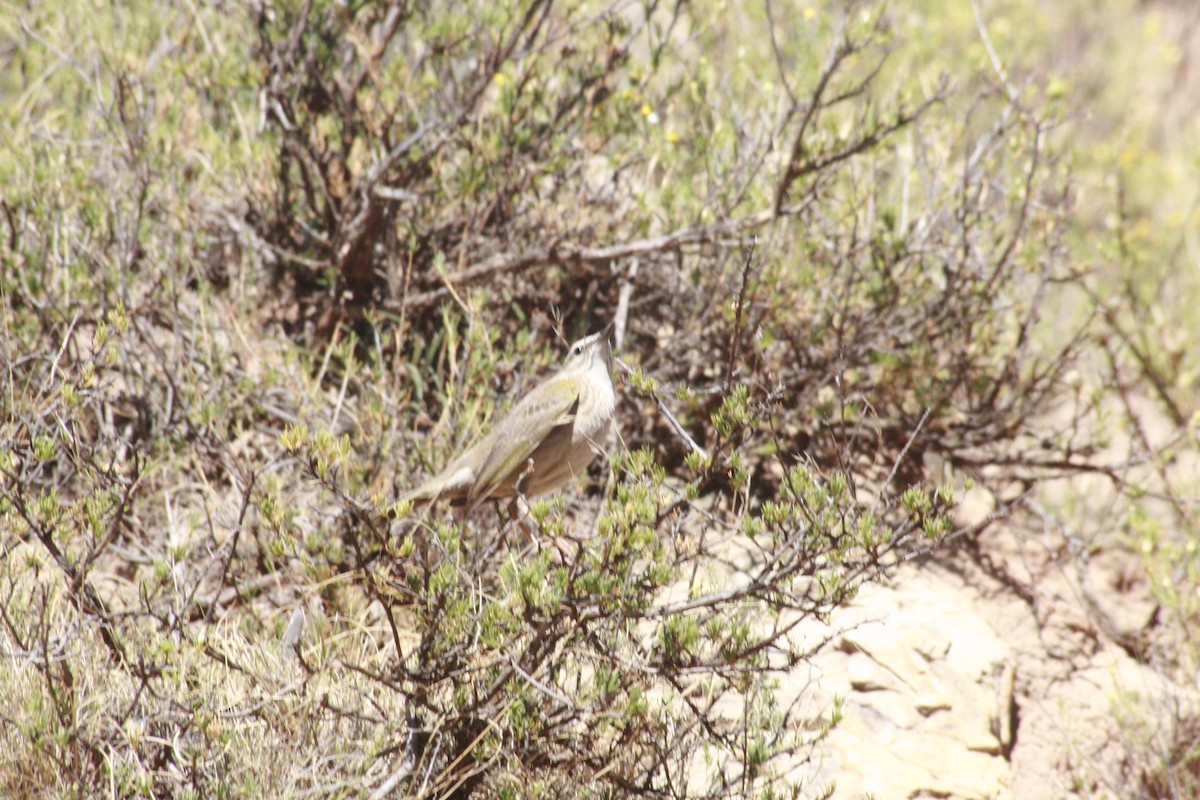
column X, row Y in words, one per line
column 263, row 267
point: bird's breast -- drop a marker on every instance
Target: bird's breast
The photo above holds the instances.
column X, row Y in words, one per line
column 596, row 403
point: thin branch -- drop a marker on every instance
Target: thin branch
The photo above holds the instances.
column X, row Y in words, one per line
column 674, row 423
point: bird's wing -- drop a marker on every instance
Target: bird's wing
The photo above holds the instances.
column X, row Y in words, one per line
column 550, row 405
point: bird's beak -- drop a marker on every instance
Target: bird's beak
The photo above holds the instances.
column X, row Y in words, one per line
column 607, row 351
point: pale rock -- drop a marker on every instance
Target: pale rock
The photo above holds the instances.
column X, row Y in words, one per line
column 928, row 693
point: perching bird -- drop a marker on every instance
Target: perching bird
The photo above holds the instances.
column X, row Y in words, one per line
column 548, row 438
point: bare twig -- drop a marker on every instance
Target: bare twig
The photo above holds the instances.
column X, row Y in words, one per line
column 676, row 428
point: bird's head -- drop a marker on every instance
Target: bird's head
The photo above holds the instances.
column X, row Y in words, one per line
column 590, row 351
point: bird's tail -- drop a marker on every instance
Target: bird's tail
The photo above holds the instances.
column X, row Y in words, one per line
column 422, row 495
column 379, row 520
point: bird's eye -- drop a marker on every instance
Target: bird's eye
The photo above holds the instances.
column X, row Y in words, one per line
column 578, row 349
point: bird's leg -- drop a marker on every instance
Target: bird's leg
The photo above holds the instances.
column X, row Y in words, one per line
column 520, row 506
column 505, row 519
column 518, row 512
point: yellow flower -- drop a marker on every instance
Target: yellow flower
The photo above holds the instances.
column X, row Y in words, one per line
column 499, row 79
column 809, row 13
column 672, row 137
column 646, row 110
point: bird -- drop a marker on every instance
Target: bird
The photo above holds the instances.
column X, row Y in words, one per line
column 551, row 435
